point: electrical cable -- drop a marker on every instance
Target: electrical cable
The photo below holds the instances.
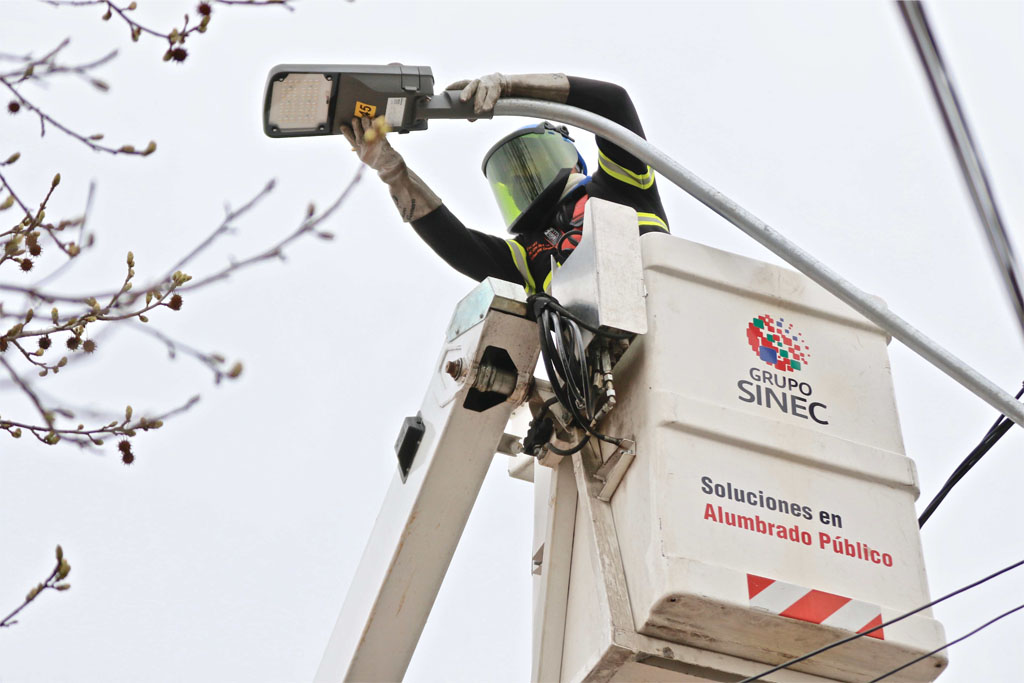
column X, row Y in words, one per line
column 572, row 357
column 952, row 642
column 886, row 624
column 557, row 369
column 573, row 237
column 540, row 433
column 545, row 300
column 967, row 154
column 564, row 355
column 572, row 371
column 1001, row 426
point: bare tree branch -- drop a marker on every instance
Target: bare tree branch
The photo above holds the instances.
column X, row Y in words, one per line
column 124, row 304
column 47, row 341
column 55, row 581
column 275, row 252
column 308, row 225
column 176, row 37
column 89, row 141
column 214, row 362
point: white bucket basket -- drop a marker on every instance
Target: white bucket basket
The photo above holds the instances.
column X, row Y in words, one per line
column 770, row 506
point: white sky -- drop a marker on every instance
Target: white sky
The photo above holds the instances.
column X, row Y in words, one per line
column 224, row 554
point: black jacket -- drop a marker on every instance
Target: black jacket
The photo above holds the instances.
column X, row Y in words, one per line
column 526, row 258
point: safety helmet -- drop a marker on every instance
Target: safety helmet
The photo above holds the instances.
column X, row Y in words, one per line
column 527, row 171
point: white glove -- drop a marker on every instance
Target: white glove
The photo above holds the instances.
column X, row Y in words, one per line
column 372, row 147
column 411, row 195
column 484, row 91
column 487, row 90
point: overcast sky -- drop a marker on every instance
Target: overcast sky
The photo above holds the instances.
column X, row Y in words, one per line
column 225, row 552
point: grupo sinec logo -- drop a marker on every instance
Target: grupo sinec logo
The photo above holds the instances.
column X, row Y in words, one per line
column 777, row 344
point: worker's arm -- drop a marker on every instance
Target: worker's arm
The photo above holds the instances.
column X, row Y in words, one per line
column 487, row 90
column 620, row 176
column 411, row 195
column 604, row 99
column 620, row 172
column 470, row 252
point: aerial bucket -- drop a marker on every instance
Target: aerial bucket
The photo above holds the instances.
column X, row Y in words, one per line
column 769, row 506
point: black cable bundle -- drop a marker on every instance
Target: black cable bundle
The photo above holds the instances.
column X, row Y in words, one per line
column 567, row 242
column 565, row 360
column 1001, row 426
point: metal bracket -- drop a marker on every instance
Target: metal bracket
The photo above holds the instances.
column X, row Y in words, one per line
column 607, row 565
column 614, row 469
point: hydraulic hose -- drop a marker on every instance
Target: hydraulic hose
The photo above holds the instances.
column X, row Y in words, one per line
column 792, row 254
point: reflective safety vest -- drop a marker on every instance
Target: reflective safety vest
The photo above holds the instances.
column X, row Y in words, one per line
column 561, row 243
column 566, row 242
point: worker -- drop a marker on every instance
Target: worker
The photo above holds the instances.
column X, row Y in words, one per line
column 538, row 177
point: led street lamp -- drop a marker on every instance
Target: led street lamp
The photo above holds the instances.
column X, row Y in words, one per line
column 317, row 99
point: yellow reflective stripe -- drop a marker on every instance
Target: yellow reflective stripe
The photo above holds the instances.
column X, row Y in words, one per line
column 519, row 259
column 547, row 281
column 652, row 219
column 624, row 174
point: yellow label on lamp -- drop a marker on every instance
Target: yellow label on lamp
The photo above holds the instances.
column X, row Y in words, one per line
column 364, row 109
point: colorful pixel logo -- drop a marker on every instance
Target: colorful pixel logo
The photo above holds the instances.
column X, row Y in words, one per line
column 776, row 344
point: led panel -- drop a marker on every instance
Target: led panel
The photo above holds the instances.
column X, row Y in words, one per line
column 300, row 102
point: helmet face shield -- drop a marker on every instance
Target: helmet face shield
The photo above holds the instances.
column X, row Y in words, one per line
column 521, row 168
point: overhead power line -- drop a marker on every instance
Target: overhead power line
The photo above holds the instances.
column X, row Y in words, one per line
column 815, row 653
column 966, row 151
column 949, row 644
column 1001, row 426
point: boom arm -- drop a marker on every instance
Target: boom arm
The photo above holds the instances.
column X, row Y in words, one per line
column 483, row 372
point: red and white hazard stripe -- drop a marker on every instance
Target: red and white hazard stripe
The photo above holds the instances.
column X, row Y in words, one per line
column 817, row 607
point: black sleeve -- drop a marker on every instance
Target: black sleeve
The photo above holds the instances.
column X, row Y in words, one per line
column 620, row 177
column 612, row 102
column 472, row 253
